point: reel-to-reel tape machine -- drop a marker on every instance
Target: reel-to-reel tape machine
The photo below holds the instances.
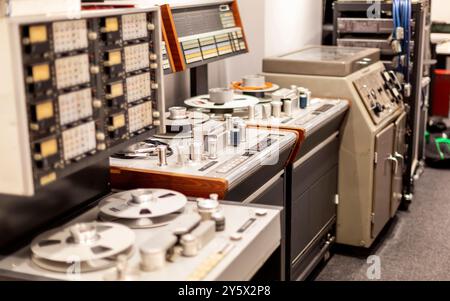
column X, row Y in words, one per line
column 217, row 157
column 255, row 85
column 152, row 234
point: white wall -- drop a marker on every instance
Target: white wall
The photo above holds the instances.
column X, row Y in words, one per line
column 271, row 26
column 440, row 10
column 291, row 24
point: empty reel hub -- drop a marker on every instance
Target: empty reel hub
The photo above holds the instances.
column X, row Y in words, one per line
column 93, row 246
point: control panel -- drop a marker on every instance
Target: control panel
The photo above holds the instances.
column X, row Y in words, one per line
column 208, row 241
column 73, row 90
column 231, row 155
column 380, row 93
column 200, row 34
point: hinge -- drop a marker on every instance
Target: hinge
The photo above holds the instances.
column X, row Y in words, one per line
column 375, row 160
column 372, row 217
column 336, row 199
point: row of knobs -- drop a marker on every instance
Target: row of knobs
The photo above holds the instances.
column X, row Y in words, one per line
column 236, row 130
column 277, row 108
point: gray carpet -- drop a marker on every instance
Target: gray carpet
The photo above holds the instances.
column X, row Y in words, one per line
column 418, row 245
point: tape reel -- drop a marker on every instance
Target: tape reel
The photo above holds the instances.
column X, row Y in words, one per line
column 238, row 102
column 142, row 150
column 143, row 208
column 178, row 120
column 85, row 247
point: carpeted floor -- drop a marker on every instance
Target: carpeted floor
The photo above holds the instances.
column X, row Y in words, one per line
column 416, row 247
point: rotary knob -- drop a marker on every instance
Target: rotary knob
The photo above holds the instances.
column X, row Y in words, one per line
column 162, row 155
column 195, row 152
column 207, row 207
column 378, row 109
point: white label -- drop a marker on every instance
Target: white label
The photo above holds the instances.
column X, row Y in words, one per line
column 140, row 116
column 136, row 57
column 79, row 140
column 134, row 26
column 138, row 87
column 75, row 106
column 72, row 71
column 70, row 35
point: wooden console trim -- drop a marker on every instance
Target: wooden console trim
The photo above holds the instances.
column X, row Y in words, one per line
column 172, row 38
column 193, row 186
column 238, row 21
column 168, row 48
column 300, row 133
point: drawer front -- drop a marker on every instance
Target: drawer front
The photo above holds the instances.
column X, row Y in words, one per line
column 314, row 168
column 274, row 196
column 313, row 210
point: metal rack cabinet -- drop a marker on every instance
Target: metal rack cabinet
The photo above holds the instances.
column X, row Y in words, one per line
column 417, row 103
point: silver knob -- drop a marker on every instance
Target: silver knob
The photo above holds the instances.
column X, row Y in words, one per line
column 92, row 36
column 162, row 155
column 235, row 137
column 251, row 112
column 267, row 111
column 182, row 155
column 276, row 109
column 212, row 143
column 142, row 197
column 122, row 267
column 207, row 207
column 190, row 245
column 177, row 113
column 96, row 103
column 220, row 220
column 243, row 131
column 84, row 233
column 288, row 107
column 195, row 152
column 228, row 121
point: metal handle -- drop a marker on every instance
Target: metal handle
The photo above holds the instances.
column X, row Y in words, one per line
column 400, row 157
column 393, row 159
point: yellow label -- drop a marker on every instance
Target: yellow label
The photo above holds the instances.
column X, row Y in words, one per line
column 211, row 51
column 49, row 148
column 193, row 55
column 118, row 121
column 114, row 58
column 41, row 73
column 44, row 110
column 116, row 90
column 38, row 34
column 47, row 179
column 111, row 24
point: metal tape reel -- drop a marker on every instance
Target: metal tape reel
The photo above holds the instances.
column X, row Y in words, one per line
column 239, row 102
column 93, row 246
column 143, row 203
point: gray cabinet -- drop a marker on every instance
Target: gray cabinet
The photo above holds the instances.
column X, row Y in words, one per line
column 399, row 154
column 381, row 211
column 315, row 188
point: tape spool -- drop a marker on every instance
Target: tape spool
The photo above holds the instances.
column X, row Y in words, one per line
column 86, row 247
column 178, row 120
column 143, row 208
column 239, row 102
column 221, row 96
column 142, row 150
column 255, row 85
column 254, row 81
